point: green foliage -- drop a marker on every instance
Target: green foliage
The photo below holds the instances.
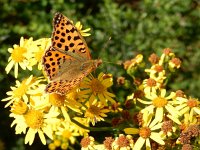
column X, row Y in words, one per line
column 134, row 27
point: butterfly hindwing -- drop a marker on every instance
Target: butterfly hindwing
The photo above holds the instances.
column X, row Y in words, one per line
column 62, row 86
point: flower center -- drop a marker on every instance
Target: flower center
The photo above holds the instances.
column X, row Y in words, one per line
column 66, row 134
column 167, row 51
column 96, row 86
column 85, row 142
column 159, row 102
column 167, row 126
column 153, row 58
column 176, row 62
column 192, row 102
column 18, row 54
column 151, row 82
column 34, row 119
column 57, row 99
column 94, row 110
column 145, row 132
column 123, row 141
column 108, row 142
column 158, row 68
column 179, row 93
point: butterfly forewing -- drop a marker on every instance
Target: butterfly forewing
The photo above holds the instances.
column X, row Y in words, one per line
column 66, row 37
column 68, row 60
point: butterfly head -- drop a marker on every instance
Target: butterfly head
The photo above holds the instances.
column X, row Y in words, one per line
column 97, row 62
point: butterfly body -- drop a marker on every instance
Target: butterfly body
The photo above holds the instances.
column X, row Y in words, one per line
column 68, row 59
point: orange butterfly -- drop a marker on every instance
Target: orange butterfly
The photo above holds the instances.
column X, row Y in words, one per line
column 68, row 60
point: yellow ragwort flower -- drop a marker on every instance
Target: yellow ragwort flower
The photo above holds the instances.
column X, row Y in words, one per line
column 157, row 73
column 190, row 106
column 66, row 132
column 19, row 56
column 79, row 26
column 151, row 85
column 146, row 132
column 188, row 120
column 36, row 51
column 97, row 87
column 78, row 129
column 123, row 142
column 162, row 104
column 95, row 112
column 20, row 91
column 37, row 121
column 87, row 143
column 58, row 102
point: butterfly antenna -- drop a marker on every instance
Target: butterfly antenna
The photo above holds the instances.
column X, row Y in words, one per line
column 106, row 44
column 109, row 62
column 104, row 49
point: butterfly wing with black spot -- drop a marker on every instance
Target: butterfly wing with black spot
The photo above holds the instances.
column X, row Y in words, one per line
column 62, row 86
column 66, row 37
column 68, row 59
column 52, row 61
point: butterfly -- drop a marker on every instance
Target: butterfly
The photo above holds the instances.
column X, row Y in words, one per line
column 67, row 61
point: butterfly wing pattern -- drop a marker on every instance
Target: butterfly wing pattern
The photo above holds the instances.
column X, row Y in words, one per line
column 68, row 60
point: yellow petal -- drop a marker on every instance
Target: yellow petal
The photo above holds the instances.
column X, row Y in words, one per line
column 156, row 137
column 139, row 143
column 131, row 130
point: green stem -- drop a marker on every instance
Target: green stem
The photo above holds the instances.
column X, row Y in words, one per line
column 92, row 128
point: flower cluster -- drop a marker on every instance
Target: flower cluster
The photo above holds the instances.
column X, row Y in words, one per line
column 61, row 118
column 148, row 116
column 161, row 112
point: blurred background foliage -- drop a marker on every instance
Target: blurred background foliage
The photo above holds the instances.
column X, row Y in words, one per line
column 120, row 30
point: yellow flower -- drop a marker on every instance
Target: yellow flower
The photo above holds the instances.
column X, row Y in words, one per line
column 97, row 87
column 79, row 26
column 151, row 85
column 130, row 64
column 157, row 73
column 58, row 102
column 36, row 51
column 19, row 56
column 96, row 111
column 123, row 142
column 187, row 121
column 20, row 91
column 87, row 143
column 162, row 104
column 78, row 129
column 190, row 106
column 19, row 107
column 66, row 132
column 73, row 100
column 108, row 143
column 174, row 63
column 166, row 56
column 167, row 129
column 63, row 102
column 146, row 132
column 37, row 121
